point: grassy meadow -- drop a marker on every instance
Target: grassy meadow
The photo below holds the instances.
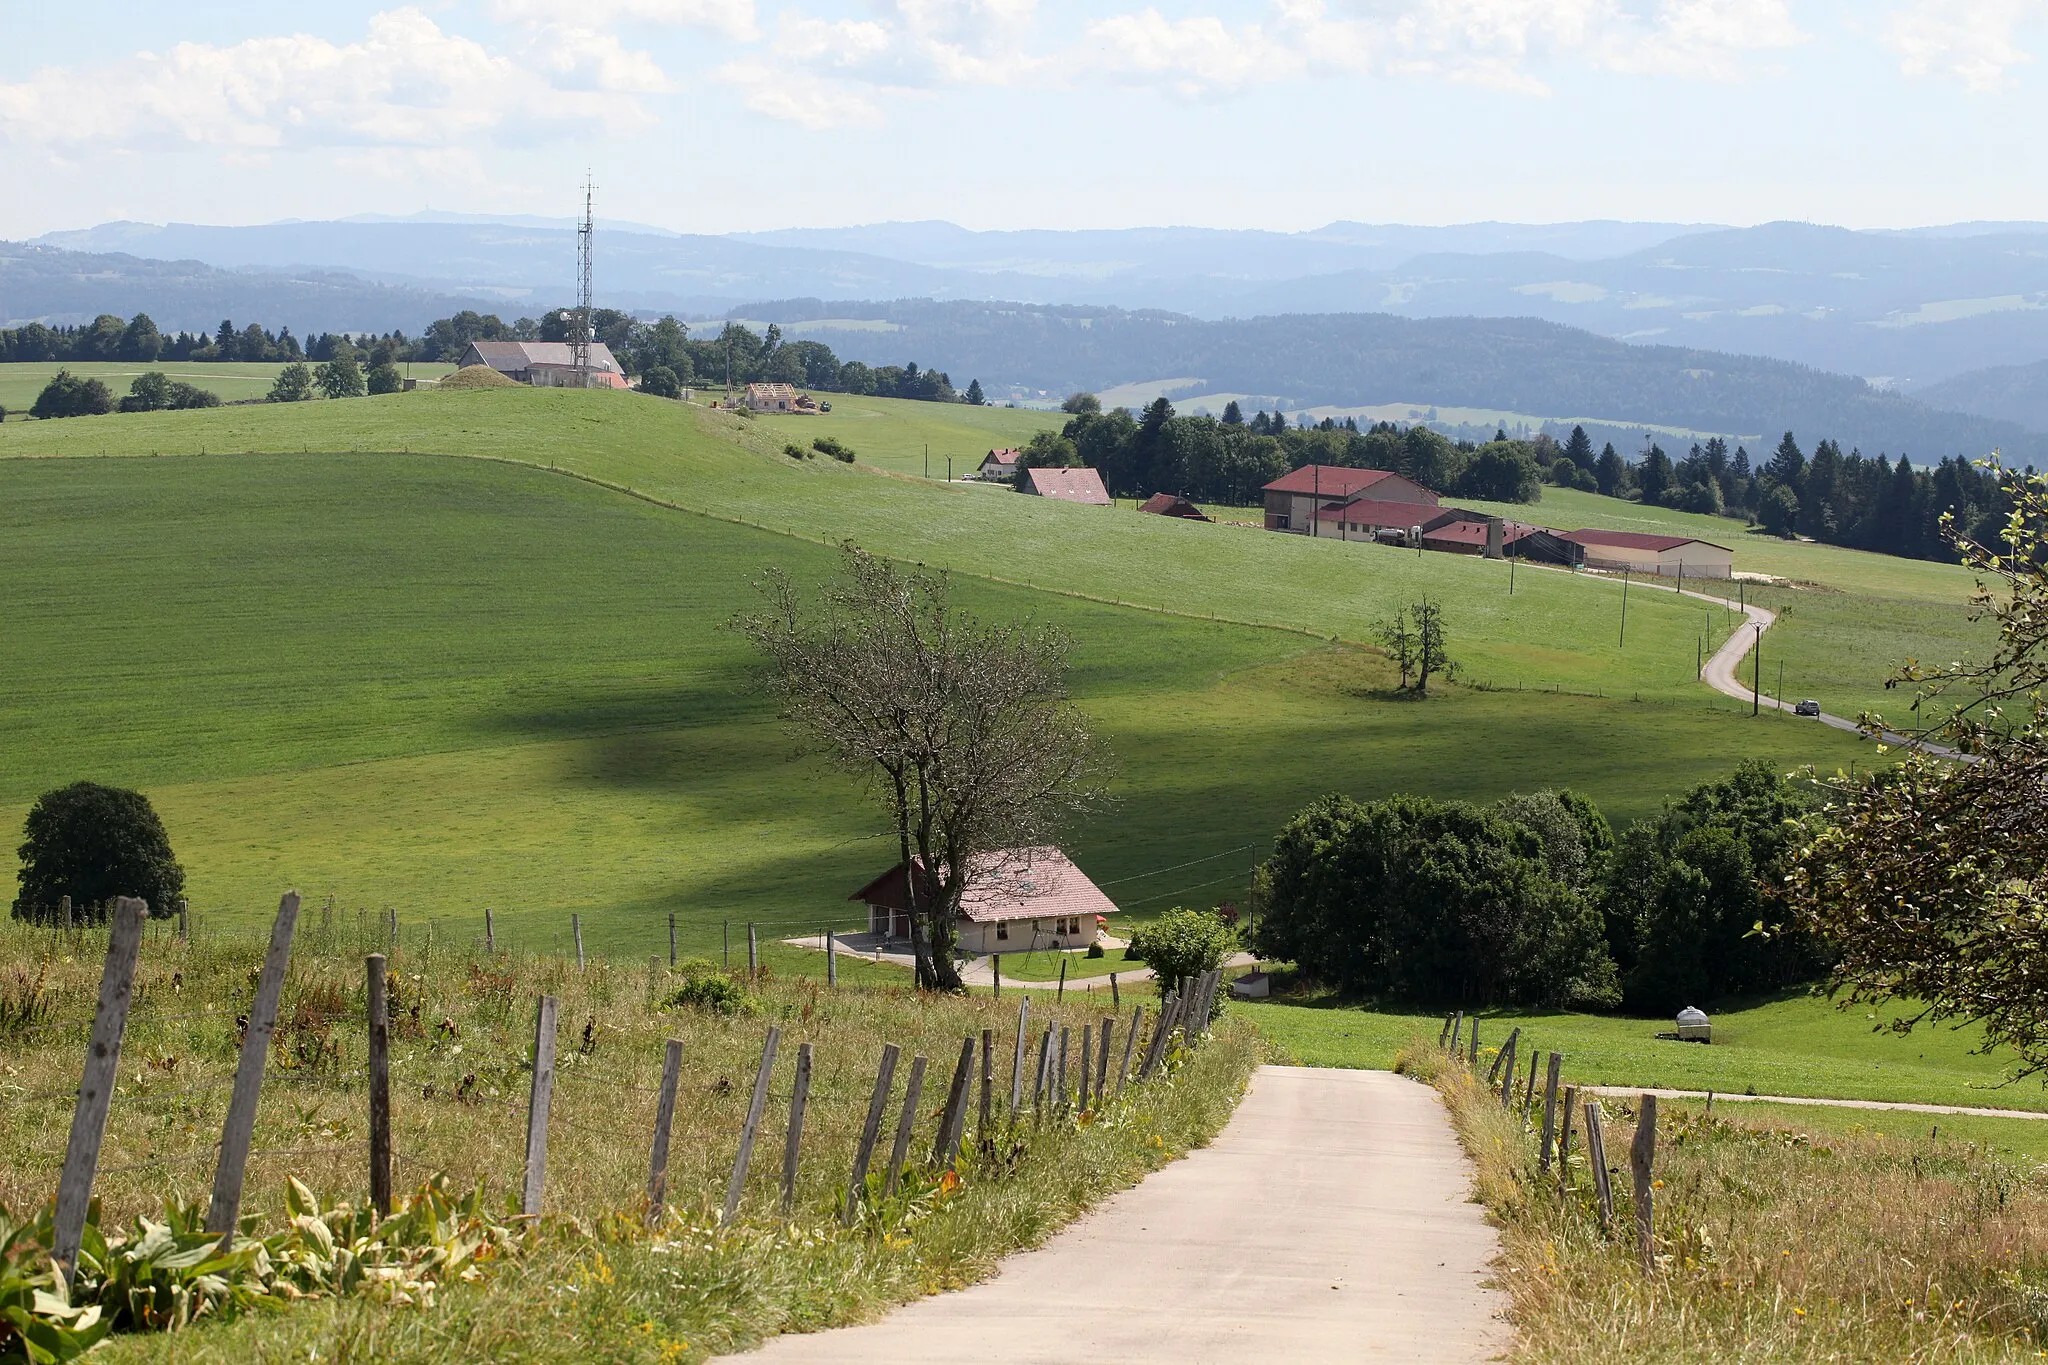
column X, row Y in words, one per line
column 901, row 436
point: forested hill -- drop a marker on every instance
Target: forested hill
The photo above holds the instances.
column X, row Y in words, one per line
column 1348, row 359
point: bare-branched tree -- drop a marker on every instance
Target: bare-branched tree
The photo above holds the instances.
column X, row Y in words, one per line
column 961, row 730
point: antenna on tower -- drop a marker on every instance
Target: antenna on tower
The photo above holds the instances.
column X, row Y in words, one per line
column 579, row 343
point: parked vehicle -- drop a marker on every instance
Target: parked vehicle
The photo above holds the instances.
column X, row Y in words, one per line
column 1809, row 707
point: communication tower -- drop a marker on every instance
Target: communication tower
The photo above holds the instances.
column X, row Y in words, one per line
column 579, row 340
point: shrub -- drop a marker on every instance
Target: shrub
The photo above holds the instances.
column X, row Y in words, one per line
column 829, row 445
column 796, row 452
column 66, row 395
column 1183, row 943
column 715, row 993
column 94, row 843
column 1094, row 950
column 294, row 384
column 660, row 381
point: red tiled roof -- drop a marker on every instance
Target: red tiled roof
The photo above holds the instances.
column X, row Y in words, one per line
column 1173, row 505
column 1379, row 512
column 1007, row 456
column 1463, row 532
column 1636, row 540
column 1014, row 883
column 1328, row 480
column 1069, row 485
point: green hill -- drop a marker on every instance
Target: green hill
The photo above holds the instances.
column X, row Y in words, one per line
column 443, row 683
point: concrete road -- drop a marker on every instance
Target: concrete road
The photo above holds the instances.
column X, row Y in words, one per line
column 1329, row 1222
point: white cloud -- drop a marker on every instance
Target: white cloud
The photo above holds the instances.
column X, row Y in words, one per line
column 1973, row 41
column 408, row 83
column 728, row 18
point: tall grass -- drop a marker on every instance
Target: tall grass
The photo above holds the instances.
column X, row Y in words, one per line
column 1773, row 1244
column 599, row 1284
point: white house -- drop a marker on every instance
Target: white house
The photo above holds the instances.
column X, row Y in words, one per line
column 1018, row 900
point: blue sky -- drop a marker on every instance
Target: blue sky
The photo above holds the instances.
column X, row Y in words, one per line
column 716, row 115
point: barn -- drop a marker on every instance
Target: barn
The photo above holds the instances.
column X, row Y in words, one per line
column 1640, row 552
column 546, row 364
column 1173, row 505
column 1067, row 485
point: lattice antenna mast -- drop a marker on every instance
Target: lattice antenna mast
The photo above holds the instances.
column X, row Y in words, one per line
column 580, row 342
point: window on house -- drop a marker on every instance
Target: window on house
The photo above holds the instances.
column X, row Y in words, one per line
column 1002, row 929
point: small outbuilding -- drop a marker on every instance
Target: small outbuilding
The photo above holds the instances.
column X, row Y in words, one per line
column 1173, row 505
column 773, row 398
column 1067, row 485
column 1018, row 900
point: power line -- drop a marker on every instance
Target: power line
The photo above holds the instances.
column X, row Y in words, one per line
column 1140, row 876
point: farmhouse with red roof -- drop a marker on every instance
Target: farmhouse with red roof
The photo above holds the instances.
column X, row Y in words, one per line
column 1294, row 500
column 1018, row 900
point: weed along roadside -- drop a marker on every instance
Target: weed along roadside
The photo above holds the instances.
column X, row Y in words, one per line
column 619, row 1163
column 1634, row 1229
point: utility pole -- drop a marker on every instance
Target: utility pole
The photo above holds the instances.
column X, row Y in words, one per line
column 927, row 460
column 579, row 344
column 1624, row 610
column 1511, row 575
column 1781, row 686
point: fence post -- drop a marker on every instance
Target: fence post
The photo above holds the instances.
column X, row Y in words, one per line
column 671, row 938
column 1507, row 1085
column 1123, row 1068
column 1062, row 993
column 539, row 1099
column 738, row 1184
column 1529, row 1096
column 1087, row 1064
column 664, row 1118
column 1017, row 1062
column 1473, row 1043
column 1596, row 1152
column 1564, row 1142
column 1115, row 1000
column 945, row 1150
column 96, row 1087
column 391, row 928
column 1060, row 1084
column 753, row 952
column 490, row 932
column 1044, row 1069
column 184, row 919
column 1457, row 1025
column 1102, row 1061
column 576, row 927
column 1642, row 1155
column 1549, row 1110
column 1506, row 1050
column 988, row 1079
column 878, row 1105
column 904, row 1123
column 380, row 1085
column 225, row 1210
column 725, row 929
column 831, row 959
column 64, row 913
column 1443, row 1033
column 793, row 1138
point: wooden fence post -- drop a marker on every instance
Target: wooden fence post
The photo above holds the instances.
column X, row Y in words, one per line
column 904, row 1123
column 995, row 972
column 988, row 1080
column 64, row 913
column 576, row 926
column 1473, row 1043
column 738, row 1184
column 1123, row 1069
column 1642, row 1155
column 1507, row 1050
column 1044, row 1069
column 1564, row 1142
column 878, row 1106
column 96, row 1087
column 1443, row 1034
column 391, row 928
column 1549, row 1110
column 1017, row 1062
column 671, row 938
column 1507, row 1085
column 753, row 952
column 1062, row 993
column 1062, row 1101
column 1457, row 1025
column 490, row 932
column 725, row 929
column 1087, row 1064
column 540, row 1098
column 793, row 1138
column 1529, row 1096
column 1596, row 1153
column 226, row 1207
column 831, row 959
column 947, row 1148
column 1102, row 1060
column 380, row 1084
column 184, row 920
column 1115, row 1000
column 664, row 1120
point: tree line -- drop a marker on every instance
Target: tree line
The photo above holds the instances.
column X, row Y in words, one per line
column 1533, row 900
column 661, row 353
column 1852, row 500
column 1230, row 460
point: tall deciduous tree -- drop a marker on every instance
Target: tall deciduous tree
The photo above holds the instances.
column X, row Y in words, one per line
column 961, row 730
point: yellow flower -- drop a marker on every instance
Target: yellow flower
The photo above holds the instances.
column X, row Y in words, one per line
column 1800, row 1311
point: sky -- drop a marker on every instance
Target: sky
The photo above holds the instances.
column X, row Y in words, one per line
column 726, row 115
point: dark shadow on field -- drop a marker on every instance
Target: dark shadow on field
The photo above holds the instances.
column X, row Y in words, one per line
column 1288, row 989
column 700, row 698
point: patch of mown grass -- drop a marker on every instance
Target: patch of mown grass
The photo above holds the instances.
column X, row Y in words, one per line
column 1773, row 1243
column 1800, row 1045
column 599, row 1285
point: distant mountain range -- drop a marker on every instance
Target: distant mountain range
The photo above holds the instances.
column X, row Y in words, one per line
column 1918, row 312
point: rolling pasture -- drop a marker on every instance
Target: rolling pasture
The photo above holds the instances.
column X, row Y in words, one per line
column 234, row 381
column 403, row 678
